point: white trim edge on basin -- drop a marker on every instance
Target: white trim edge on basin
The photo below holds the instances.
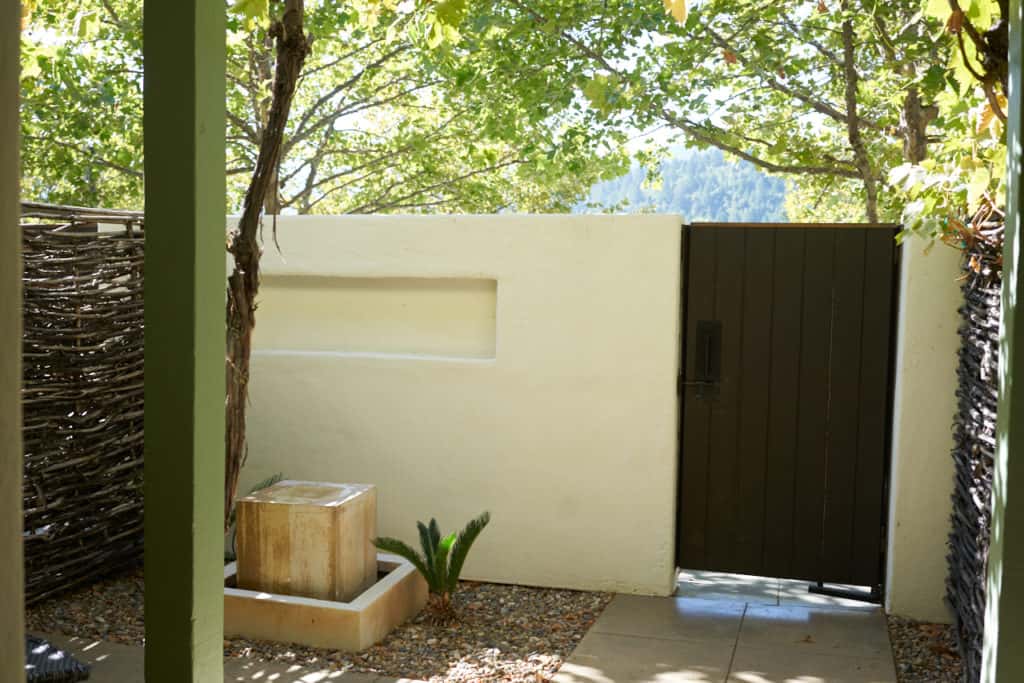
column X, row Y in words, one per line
column 349, row 626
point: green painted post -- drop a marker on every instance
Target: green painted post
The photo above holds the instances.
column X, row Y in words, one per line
column 185, row 280
column 12, row 643
column 1004, row 618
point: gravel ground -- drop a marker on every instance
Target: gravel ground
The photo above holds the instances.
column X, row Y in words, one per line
column 924, row 653
column 506, row 633
column 109, row 610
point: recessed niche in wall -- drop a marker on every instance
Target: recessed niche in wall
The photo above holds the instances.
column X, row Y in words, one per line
column 452, row 317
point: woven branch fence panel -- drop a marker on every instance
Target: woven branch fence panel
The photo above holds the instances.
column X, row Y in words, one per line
column 82, row 395
column 973, row 450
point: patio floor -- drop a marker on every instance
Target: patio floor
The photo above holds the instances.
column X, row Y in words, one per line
column 719, row 628
column 115, row 663
column 739, row 629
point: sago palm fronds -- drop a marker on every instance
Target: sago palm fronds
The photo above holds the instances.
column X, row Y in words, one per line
column 442, row 559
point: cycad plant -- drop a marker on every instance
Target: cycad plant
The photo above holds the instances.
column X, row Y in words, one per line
column 441, row 561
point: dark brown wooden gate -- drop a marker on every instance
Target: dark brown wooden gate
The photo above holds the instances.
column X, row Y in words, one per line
column 785, row 394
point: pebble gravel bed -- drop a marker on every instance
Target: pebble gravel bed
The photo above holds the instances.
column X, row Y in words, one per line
column 110, row 610
column 924, row 653
column 505, row 633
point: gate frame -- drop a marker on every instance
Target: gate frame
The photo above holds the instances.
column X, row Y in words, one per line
column 877, row 592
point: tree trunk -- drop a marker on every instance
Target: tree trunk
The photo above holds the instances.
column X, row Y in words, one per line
column 292, row 47
column 914, row 121
column 871, row 200
column 272, row 202
column 860, row 154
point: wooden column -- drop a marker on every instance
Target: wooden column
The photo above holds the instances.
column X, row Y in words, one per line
column 185, row 280
column 12, row 643
column 1004, row 618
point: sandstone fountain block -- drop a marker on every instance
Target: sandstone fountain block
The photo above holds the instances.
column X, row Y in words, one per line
column 308, row 539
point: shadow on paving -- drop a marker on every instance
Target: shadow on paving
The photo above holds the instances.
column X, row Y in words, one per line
column 115, row 663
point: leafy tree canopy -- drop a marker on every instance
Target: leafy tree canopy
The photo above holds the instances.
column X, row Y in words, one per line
column 958, row 193
column 833, row 93
column 865, row 106
column 375, row 126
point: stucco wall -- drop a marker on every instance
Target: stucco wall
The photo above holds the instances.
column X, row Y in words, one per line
column 526, row 365
column 550, row 401
column 925, row 402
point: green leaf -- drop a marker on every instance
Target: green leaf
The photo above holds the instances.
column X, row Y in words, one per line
column 980, row 13
column 441, row 562
column 429, row 545
column 435, row 35
column 435, row 533
column 977, row 187
column 461, row 548
column 397, row 547
column 252, row 9
column 677, row 8
column 451, row 12
column 937, row 9
column 30, row 68
column 87, row 24
column 964, row 78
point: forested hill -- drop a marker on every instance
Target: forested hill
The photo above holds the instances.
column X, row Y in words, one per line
column 699, row 185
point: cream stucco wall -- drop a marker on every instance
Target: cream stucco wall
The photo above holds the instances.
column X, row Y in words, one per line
column 550, row 402
column 526, row 365
column 925, row 402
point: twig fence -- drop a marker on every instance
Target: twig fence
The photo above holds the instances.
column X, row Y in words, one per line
column 82, row 394
column 973, row 450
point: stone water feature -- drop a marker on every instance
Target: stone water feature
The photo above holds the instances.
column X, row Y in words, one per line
column 307, row 572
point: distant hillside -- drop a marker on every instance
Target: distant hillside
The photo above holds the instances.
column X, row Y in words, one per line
column 699, row 185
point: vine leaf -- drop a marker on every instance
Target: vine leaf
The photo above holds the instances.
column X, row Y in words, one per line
column 677, row 8
column 252, row 9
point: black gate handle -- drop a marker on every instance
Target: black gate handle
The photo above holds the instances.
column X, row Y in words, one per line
column 709, row 352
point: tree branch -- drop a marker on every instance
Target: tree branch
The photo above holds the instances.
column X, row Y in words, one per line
column 93, row 158
column 774, row 83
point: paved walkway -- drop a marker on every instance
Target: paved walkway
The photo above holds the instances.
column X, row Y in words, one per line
column 719, row 628
column 114, row 663
column 723, row 627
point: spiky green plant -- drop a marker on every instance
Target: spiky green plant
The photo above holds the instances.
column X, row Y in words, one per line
column 441, row 561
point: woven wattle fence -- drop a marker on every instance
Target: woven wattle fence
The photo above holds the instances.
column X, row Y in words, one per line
column 974, row 446
column 83, row 394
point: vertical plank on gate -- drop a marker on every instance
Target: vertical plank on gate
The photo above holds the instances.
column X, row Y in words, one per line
column 809, row 487
column 755, row 369
column 784, row 400
column 724, row 465
column 844, row 405
column 876, row 374
column 694, row 441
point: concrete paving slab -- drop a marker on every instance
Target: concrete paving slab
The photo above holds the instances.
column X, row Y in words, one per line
column 116, row 663
column 732, row 626
column 608, row 658
column 670, row 618
column 793, row 665
column 110, row 662
column 757, row 590
column 816, row 630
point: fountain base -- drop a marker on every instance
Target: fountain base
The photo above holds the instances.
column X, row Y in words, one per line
column 398, row 595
